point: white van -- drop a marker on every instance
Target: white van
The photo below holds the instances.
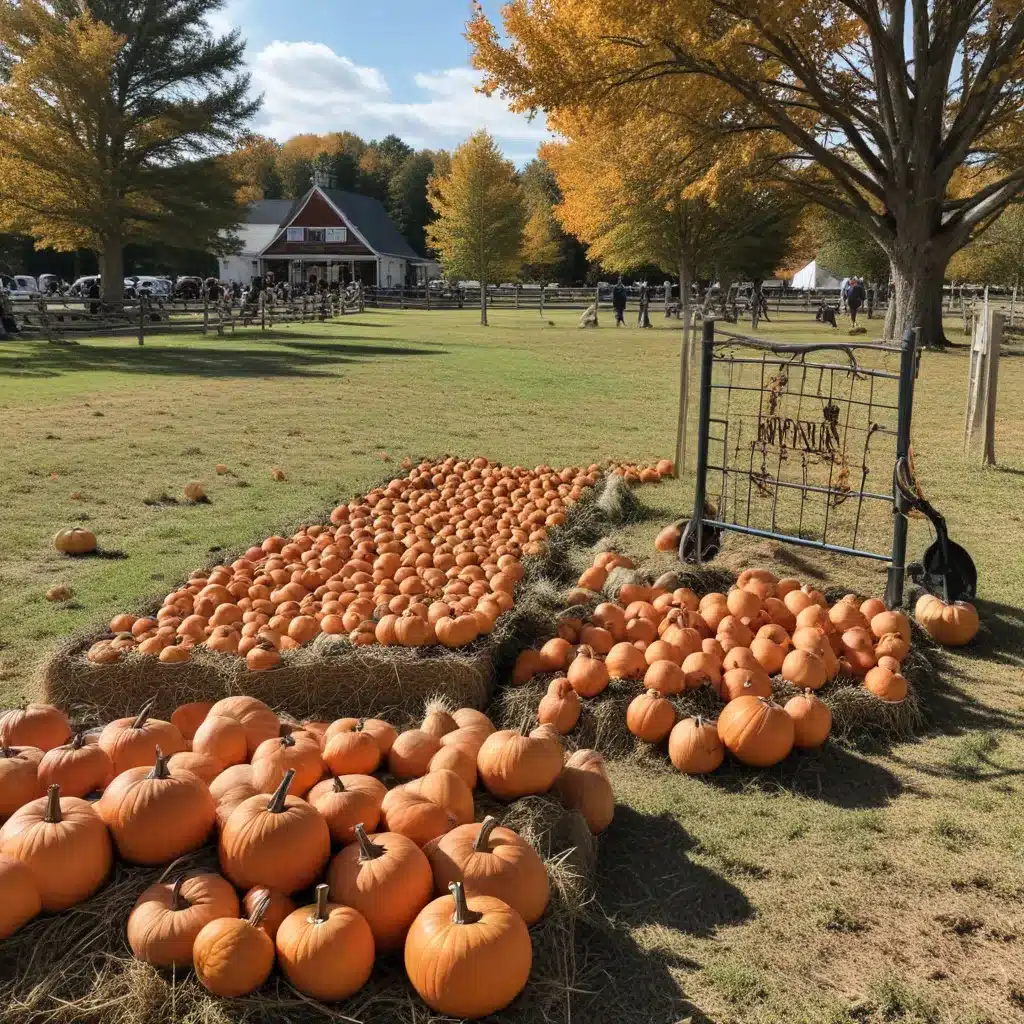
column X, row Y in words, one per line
column 20, row 286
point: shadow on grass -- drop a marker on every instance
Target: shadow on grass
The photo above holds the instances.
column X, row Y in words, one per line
column 315, row 358
column 646, row 879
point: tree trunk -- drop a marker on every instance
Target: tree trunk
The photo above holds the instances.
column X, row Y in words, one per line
column 111, row 261
column 918, row 300
column 483, row 303
column 684, row 364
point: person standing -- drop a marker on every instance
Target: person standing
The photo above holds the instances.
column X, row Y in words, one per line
column 619, row 302
column 855, row 299
column 643, row 318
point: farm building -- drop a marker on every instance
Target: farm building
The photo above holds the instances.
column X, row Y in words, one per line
column 327, row 235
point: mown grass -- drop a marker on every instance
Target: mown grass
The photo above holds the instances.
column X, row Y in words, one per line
column 876, row 883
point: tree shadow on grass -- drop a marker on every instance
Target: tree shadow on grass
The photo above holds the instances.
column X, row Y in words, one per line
column 290, row 359
column 646, row 879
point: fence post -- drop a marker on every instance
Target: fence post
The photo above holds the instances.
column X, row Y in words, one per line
column 426, row 292
column 401, row 295
column 206, row 311
column 696, row 525
column 263, row 310
column 542, row 298
column 517, row 294
column 142, row 320
column 988, row 435
column 908, row 367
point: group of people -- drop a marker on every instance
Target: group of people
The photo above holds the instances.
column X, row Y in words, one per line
column 853, row 294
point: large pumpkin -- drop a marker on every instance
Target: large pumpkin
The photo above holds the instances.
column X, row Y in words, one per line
column 447, row 789
column 64, row 844
column 383, row 732
column 77, row 767
column 325, row 950
column 346, row 801
column 951, row 625
column 19, row 896
column 234, row 956
column 278, row 841
column 756, row 731
column 587, row 674
column 812, row 719
column 37, row 725
column 385, row 877
column 511, row 765
column 133, row 742
column 19, row 777
column 694, row 746
column 492, row 861
column 468, row 957
column 887, row 685
column 166, row 919
column 584, row 785
column 650, row 717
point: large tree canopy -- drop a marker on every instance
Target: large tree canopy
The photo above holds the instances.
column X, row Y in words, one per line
column 112, row 115
column 871, row 106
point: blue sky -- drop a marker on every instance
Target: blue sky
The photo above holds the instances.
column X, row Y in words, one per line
column 372, row 68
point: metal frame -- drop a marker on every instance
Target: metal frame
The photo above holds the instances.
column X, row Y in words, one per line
column 693, row 537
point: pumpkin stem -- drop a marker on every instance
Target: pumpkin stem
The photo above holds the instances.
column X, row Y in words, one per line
column 462, row 915
column 160, row 770
column 143, row 714
column 53, row 815
column 367, row 850
column 287, row 740
column 6, row 751
column 276, row 805
column 262, row 905
column 339, row 786
column 178, row 902
column 320, row 912
column 487, row 826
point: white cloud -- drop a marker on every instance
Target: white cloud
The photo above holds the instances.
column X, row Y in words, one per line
column 228, row 18
column 308, row 87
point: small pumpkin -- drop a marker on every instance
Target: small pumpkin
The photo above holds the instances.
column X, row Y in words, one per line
column 700, row 669
column 744, row 682
column 886, row 685
column 528, row 664
column 279, row 907
column 556, row 655
column 387, row 878
column 65, row 845
column 470, row 718
column 75, row 540
column 411, row 753
column 37, row 725
column 468, row 956
column 166, row 919
column 383, row 732
column 234, row 956
column 666, row 677
column 19, row 896
column 756, row 731
column 511, row 765
column 258, row 720
column 952, row 625
column 325, row 950
column 457, row 759
column 407, row 813
column 897, row 622
column 19, row 777
column 273, row 758
column 346, row 801
column 77, row 767
column 804, row 669
column 812, row 719
column 201, row 765
column 492, row 861
column 222, row 738
column 447, row 789
column 668, row 539
column 188, row 717
column 133, row 742
column 560, row 706
column 694, row 746
column 650, row 717
column 584, row 785
column 587, row 674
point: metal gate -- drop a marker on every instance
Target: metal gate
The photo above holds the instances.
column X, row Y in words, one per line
column 798, row 443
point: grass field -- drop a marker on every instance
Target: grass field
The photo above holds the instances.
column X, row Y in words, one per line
column 876, row 884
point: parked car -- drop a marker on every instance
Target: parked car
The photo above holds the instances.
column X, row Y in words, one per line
column 186, row 287
column 20, row 286
column 83, row 284
column 49, row 284
column 158, row 287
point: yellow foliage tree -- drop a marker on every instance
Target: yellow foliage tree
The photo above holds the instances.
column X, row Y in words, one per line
column 874, row 105
column 478, row 233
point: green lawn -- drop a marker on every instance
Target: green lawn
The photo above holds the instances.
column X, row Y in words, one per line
column 875, row 884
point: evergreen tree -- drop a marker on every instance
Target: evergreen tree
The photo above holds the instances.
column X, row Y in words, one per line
column 407, row 198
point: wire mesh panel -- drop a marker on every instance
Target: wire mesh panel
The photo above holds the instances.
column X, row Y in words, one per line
column 798, row 443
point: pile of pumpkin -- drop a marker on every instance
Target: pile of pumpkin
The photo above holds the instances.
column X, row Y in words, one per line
column 432, row 558
column 734, row 644
column 294, row 807
column 641, row 472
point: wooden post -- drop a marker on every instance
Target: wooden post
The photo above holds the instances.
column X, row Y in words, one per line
column 541, row 298
column 517, row 294
column 206, row 311
column 263, row 309
column 1013, row 305
column 142, row 320
column 426, row 291
column 401, row 295
column 983, row 380
column 988, row 435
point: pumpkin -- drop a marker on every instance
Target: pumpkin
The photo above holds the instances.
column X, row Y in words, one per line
column 593, row 578
column 65, row 845
column 468, row 956
column 166, row 919
column 278, row 841
column 231, row 778
column 871, row 607
column 279, row 907
column 756, row 731
column 346, row 801
column 587, row 675
column 668, row 539
column 385, row 877
column 624, row 661
column 201, row 765
column 846, row 614
column 584, row 786
column 38, row 725
column 222, row 738
column 19, row 896
column 411, row 753
column 701, row 668
column 804, row 669
column 768, row 654
column 447, row 789
column 459, row 760
column 234, row 956
column 262, row 657
column 661, row 650
column 437, row 720
column 650, row 717
column 133, row 742
column 891, row 645
column 492, row 861
column 779, row 614
column 258, row 720
column 952, row 625
column 598, row 639
column 694, row 746
column 511, row 765
column 610, row 617
column 19, row 777
column 155, row 815
column 274, row 757
column 75, row 540
column 383, row 732
column 560, row 706
column 407, row 813
column 744, row 682
column 77, row 767
column 890, row 686
column 666, row 677
column 457, row 631
column 469, row 739
column 556, row 655
column 188, row 717
column 812, row 719
column 470, row 718
column 859, row 649
column 325, row 950
column 897, row 622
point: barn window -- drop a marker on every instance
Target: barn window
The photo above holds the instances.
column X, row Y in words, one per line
column 337, row 234
column 296, row 234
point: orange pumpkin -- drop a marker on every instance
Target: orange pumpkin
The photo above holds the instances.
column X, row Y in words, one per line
column 812, row 719
column 133, row 742
column 188, row 717
column 666, row 677
column 584, row 785
column 650, row 717
column 346, row 801
column 19, row 777
column 280, row 905
column 274, row 757
column 77, row 767
column 560, row 706
column 756, row 731
column 890, row 686
column 511, row 765
column 222, row 738
column 587, row 675
column 804, row 669
column 952, row 625
column 258, row 720
column 411, row 753
column 38, row 725
column 694, row 746
column 19, row 896
column 234, row 956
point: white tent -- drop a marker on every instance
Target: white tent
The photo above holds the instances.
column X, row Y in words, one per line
column 815, row 278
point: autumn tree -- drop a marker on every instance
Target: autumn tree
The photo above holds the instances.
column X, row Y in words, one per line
column 871, row 105
column 542, row 236
column 997, row 256
column 478, row 232
column 253, row 166
column 112, row 116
